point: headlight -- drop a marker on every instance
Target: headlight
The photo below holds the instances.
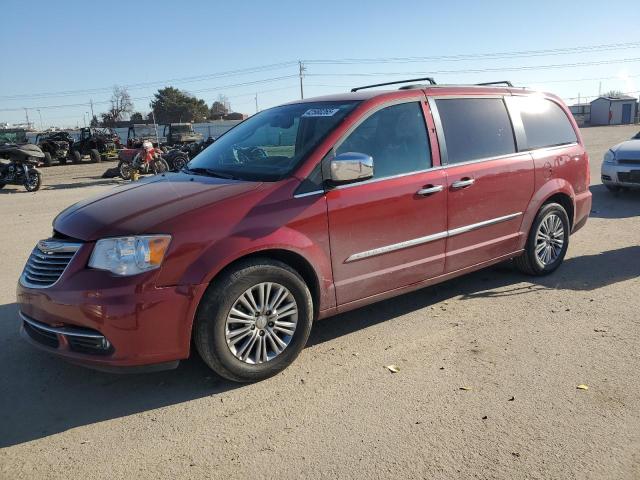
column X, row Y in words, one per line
column 127, row 256
column 609, row 157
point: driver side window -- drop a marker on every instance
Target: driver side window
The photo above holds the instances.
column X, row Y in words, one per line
column 396, row 137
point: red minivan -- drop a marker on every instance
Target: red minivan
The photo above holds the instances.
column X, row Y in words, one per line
column 303, row 211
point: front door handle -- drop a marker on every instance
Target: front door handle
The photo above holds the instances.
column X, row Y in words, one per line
column 464, row 183
column 430, row 190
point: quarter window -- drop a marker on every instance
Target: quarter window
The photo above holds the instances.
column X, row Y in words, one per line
column 396, row 138
column 545, row 123
column 475, row 128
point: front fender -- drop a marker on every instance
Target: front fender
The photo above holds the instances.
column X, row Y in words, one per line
column 227, row 250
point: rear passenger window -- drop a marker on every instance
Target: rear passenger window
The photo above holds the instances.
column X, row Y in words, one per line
column 396, row 138
column 545, row 123
column 475, row 128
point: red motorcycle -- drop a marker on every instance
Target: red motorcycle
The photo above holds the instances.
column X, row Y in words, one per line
column 146, row 160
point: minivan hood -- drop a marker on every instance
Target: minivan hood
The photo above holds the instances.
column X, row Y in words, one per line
column 144, row 206
column 629, row 150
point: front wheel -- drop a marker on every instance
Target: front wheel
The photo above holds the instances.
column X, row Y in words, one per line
column 33, row 181
column 547, row 242
column 76, row 157
column 159, row 166
column 254, row 321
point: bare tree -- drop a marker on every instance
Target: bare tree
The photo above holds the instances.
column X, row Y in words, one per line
column 121, row 103
column 220, row 107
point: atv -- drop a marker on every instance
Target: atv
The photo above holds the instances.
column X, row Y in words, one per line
column 98, row 143
column 56, row 146
column 139, row 132
column 183, row 136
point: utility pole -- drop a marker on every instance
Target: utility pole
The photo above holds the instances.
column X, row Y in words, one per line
column 256, row 103
column 600, row 89
column 91, row 103
column 301, row 70
column 41, row 125
column 26, row 114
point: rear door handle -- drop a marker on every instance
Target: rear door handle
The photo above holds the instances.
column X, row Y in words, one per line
column 464, row 183
column 430, row 190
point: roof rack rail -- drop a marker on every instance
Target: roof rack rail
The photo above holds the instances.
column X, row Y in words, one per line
column 428, row 79
column 501, row 82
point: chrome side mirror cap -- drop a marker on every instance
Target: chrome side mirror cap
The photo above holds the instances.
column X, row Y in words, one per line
column 351, row 166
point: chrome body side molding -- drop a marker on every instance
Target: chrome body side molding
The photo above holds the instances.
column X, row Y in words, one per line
column 429, row 238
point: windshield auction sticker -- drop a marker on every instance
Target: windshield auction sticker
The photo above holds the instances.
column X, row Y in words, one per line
column 320, row 112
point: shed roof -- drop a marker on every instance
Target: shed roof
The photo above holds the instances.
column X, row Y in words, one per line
column 621, row 98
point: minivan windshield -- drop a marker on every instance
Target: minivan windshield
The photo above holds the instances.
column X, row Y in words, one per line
column 270, row 144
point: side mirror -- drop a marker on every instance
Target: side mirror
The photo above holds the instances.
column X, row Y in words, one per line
column 351, row 166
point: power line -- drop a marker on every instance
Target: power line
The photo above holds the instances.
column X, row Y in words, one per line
column 479, row 56
column 198, row 78
column 148, row 97
column 480, row 70
column 346, row 61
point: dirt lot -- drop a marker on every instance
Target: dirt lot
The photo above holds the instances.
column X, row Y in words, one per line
column 520, row 345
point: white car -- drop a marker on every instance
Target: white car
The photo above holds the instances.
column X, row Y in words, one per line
column 621, row 165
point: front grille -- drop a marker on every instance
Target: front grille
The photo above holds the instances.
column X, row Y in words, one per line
column 44, row 337
column 629, row 177
column 47, row 263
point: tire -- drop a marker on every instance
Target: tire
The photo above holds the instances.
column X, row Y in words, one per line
column 62, row 161
column 125, row 170
column 34, row 180
column 530, row 262
column 210, row 329
column 159, row 165
column 76, row 157
column 2, row 185
column 179, row 162
column 95, row 156
column 613, row 188
column 46, row 161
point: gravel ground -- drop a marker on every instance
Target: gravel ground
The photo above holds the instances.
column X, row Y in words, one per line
column 519, row 345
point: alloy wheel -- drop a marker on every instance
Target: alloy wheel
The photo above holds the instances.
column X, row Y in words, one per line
column 261, row 323
column 549, row 239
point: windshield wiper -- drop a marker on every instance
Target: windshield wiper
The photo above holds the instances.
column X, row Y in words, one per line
column 209, row 172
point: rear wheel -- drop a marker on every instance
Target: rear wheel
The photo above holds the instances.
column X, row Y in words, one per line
column 76, row 157
column 125, row 170
column 33, row 181
column 547, row 242
column 254, row 321
column 46, row 161
column 95, row 156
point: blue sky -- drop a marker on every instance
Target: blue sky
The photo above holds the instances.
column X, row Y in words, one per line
column 52, row 47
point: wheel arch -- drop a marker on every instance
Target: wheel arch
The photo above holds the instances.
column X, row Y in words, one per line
column 556, row 190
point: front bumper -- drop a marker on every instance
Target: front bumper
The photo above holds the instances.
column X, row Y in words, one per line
column 91, row 318
column 621, row 175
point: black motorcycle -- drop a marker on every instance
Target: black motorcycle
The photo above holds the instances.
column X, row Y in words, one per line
column 21, row 168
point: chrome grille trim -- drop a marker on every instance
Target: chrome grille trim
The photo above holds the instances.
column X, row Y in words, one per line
column 47, row 263
column 68, row 331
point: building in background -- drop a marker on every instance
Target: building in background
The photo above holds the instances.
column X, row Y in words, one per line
column 614, row 110
column 582, row 113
